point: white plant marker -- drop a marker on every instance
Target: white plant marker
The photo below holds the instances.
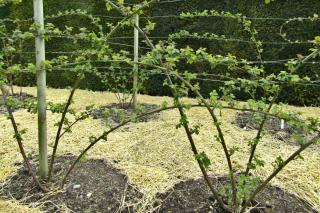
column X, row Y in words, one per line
column 282, row 124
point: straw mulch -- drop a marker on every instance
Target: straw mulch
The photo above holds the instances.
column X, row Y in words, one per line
column 155, row 155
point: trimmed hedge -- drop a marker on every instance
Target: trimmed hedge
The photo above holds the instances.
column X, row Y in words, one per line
column 268, row 31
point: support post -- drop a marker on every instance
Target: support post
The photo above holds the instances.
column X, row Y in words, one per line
column 136, row 67
column 41, row 88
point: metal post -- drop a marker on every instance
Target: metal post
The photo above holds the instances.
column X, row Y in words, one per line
column 136, row 59
column 41, row 88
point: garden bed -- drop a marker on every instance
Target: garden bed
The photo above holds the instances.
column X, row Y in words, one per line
column 153, row 155
column 246, row 121
column 94, row 186
column 194, row 196
column 114, row 114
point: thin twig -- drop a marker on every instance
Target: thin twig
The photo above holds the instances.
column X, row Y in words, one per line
column 19, row 140
column 276, row 171
column 63, row 116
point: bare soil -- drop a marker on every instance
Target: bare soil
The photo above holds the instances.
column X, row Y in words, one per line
column 246, row 121
column 94, row 186
column 194, row 196
column 116, row 113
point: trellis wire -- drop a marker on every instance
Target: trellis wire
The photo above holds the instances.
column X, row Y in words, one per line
column 284, row 61
column 153, row 72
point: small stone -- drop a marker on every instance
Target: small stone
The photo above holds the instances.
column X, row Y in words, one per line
column 89, row 194
column 77, row 186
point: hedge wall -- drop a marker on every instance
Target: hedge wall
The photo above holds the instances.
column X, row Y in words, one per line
column 268, row 31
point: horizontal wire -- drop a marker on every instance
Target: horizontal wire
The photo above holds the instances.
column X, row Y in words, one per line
column 128, row 45
column 198, row 74
column 224, row 81
column 162, row 16
column 47, row 52
column 220, row 39
column 187, row 37
column 159, row 2
column 178, row 16
column 312, row 83
column 114, row 43
column 280, row 61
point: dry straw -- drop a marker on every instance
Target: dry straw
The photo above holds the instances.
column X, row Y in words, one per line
column 155, row 155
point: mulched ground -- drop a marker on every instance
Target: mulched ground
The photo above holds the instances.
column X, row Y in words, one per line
column 246, row 121
column 94, row 186
column 194, row 196
column 116, row 113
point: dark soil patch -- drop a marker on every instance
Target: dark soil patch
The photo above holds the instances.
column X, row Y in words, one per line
column 17, row 97
column 94, row 186
column 114, row 114
column 194, row 196
column 246, row 121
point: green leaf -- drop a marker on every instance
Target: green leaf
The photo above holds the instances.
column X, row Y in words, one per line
column 164, row 105
column 183, row 121
column 108, row 7
column 150, row 26
column 203, row 159
column 214, row 96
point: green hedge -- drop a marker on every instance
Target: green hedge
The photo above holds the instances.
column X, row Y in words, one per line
column 268, row 31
